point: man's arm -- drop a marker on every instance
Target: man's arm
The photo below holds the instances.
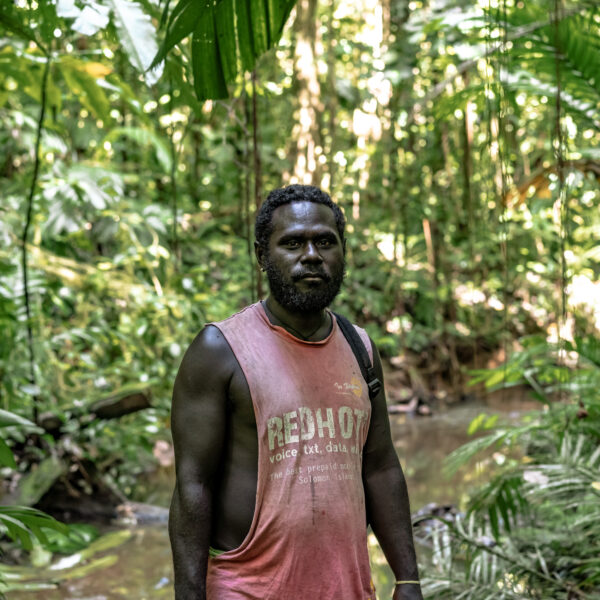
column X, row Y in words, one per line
column 198, row 421
column 386, row 496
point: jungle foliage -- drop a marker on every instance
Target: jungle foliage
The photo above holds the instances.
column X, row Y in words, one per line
column 532, row 531
column 461, row 139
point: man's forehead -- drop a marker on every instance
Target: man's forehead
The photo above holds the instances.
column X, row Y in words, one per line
column 303, row 213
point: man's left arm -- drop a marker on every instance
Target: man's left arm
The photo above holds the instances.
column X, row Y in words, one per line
column 386, row 496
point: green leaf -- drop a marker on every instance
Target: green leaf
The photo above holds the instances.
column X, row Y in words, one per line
column 244, row 30
column 494, row 521
column 77, row 537
column 182, row 23
column 209, row 81
column 144, row 137
column 47, row 20
column 15, row 66
column 260, row 31
column 22, row 521
column 226, row 34
column 16, row 530
column 138, row 36
column 6, row 456
column 11, row 21
column 225, row 23
column 279, row 11
column 274, row 16
column 496, row 377
column 165, row 13
column 83, row 84
column 476, row 423
column 464, row 453
column 9, row 418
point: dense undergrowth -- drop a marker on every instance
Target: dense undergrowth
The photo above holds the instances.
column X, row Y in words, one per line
column 533, row 530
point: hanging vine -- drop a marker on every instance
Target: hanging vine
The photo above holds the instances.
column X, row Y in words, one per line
column 25, row 235
column 173, row 175
column 562, row 199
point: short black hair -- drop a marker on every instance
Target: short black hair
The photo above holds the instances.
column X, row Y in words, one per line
column 263, row 227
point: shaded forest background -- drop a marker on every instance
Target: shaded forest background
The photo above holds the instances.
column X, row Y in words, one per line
column 461, row 139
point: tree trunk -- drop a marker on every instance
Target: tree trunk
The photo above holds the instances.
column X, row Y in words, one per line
column 307, row 131
column 329, row 133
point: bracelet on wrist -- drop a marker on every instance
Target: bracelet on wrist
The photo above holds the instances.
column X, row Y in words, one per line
column 403, row 581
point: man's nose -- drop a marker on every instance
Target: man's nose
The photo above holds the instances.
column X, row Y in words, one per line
column 311, row 253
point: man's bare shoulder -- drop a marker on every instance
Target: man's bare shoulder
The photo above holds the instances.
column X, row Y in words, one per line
column 210, row 341
column 209, row 360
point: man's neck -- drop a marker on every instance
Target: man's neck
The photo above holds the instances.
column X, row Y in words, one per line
column 311, row 326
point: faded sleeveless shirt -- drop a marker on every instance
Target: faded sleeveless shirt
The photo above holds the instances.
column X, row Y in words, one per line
column 308, row 538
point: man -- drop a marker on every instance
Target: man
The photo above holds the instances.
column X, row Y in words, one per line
column 281, row 457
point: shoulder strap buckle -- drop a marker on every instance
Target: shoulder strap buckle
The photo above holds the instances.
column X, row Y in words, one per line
column 374, row 387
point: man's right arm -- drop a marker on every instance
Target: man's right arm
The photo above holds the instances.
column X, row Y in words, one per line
column 198, row 424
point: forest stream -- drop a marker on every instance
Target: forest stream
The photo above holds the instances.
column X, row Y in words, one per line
column 136, row 562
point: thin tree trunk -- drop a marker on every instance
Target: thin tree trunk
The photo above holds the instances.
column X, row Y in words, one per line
column 394, row 16
column 257, row 175
column 248, row 157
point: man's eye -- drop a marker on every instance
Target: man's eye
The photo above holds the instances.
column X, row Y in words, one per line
column 325, row 243
column 292, row 244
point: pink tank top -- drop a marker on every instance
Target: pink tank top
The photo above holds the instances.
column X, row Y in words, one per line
column 308, row 537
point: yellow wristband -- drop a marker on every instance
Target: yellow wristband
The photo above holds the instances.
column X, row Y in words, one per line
column 407, row 581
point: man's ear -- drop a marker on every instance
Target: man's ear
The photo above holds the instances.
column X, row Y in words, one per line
column 344, row 246
column 260, row 255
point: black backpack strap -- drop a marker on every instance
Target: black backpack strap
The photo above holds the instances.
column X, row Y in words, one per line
column 361, row 354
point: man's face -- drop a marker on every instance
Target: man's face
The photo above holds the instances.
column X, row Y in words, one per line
column 305, row 259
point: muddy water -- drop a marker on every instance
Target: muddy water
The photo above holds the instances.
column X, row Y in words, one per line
column 140, row 568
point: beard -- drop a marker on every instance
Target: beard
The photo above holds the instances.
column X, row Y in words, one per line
column 290, row 297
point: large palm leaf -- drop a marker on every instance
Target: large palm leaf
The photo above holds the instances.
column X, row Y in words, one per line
column 534, row 45
column 226, row 36
column 565, row 53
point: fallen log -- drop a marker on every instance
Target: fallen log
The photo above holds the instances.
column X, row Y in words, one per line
column 114, row 407
column 125, row 401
